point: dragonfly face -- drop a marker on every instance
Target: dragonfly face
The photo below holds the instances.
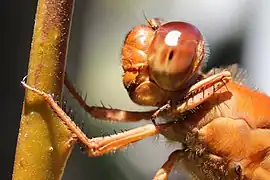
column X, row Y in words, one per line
column 136, row 77
column 160, row 58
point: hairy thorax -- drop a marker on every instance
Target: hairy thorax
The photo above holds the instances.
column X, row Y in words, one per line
column 224, row 137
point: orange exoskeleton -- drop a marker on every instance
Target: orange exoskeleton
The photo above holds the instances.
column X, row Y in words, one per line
column 222, row 125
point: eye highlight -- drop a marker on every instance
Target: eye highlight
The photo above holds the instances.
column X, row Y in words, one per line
column 171, row 39
column 175, row 54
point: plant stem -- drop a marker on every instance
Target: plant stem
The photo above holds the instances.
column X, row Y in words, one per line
column 44, row 142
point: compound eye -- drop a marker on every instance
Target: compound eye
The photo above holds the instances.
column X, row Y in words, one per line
column 175, row 54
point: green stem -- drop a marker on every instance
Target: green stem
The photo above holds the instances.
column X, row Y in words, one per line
column 44, row 145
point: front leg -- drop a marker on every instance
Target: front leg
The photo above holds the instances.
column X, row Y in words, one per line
column 202, row 91
column 100, row 145
column 110, row 114
column 196, row 95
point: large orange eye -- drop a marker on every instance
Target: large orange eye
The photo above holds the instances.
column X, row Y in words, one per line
column 175, row 54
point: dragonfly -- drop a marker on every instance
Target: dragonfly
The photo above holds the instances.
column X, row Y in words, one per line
column 222, row 124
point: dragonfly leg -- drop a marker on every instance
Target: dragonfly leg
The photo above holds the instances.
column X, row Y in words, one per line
column 165, row 170
column 100, row 145
column 203, row 90
column 104, row 113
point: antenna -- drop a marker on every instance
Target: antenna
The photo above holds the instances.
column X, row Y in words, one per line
column 153, row 23
column 144, row 15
